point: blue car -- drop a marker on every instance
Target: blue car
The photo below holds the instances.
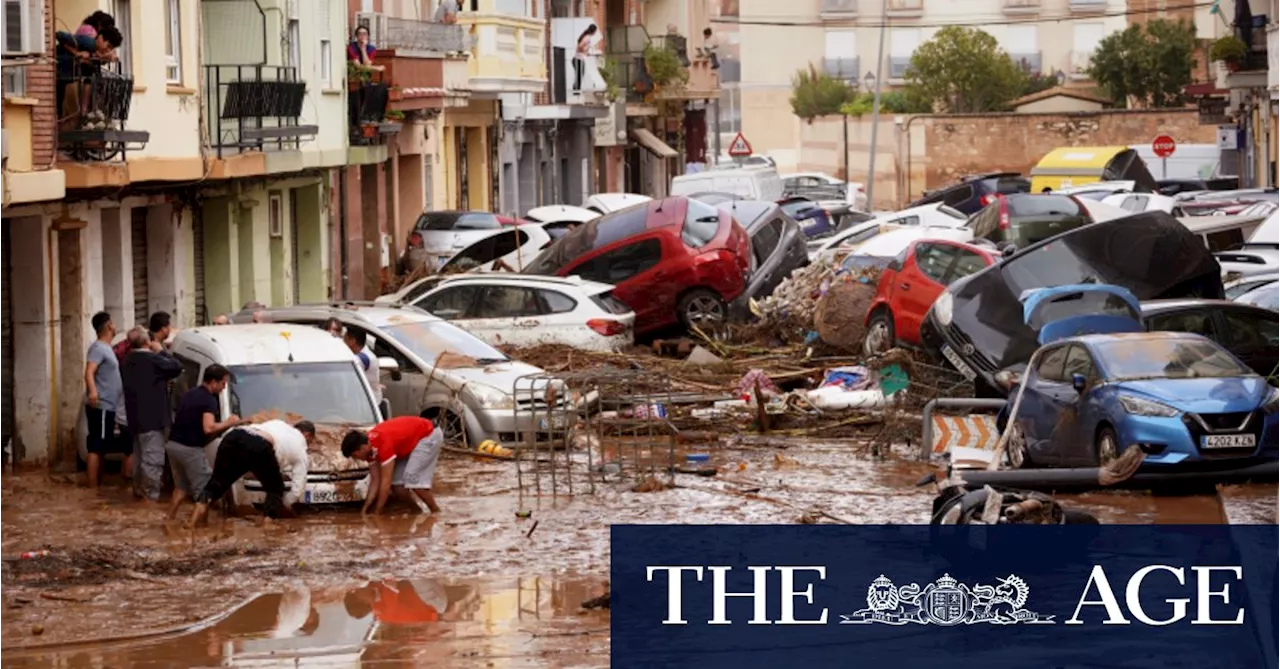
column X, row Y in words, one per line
column 813, row 220
column 1180, row 397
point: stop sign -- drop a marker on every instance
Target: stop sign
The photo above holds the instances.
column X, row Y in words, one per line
column 1163, row 146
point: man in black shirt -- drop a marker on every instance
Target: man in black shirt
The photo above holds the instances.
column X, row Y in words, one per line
column 146, row 374
column 195, row 425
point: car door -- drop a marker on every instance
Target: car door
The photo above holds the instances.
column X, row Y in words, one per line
column 1037, row 414
column 404, row 388
column 918, row 285
column 639, row 282
column 767, row 250
column 1073, row 433
column 1251, row 335
column 561, row 322
column 507, row 315
column 1198, row 320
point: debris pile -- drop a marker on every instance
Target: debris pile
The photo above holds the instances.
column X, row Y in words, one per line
column 824, row 298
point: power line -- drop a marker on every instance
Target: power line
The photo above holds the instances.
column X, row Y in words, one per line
column 907, row 23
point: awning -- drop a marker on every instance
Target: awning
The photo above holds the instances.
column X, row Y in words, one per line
column 651, row 142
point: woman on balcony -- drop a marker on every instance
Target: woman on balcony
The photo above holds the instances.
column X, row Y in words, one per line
column 580, row 55
column 360, row 51
column 80, row 57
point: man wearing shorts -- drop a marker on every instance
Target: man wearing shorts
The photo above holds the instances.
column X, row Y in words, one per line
column 404, row 452
column 269, row 450
column 105, row 390
column 195, row 425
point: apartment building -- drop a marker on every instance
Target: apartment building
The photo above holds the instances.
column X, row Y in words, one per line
column 842, row 37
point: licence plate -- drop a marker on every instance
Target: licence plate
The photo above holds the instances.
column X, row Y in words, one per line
column 1228, row 441
column 960, row 365
column 326, row 497
column 556, row 422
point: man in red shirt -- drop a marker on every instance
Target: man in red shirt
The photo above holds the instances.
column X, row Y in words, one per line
column 403, row 453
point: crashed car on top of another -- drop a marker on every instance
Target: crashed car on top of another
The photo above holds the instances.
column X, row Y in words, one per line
column 976, row 324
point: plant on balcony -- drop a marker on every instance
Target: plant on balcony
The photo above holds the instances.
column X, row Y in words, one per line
column 609, row 73
column 669, row 77
column 358, row 74
column 1145, row 66
column 394, row 115
column 1231, row 50
column 815, row 94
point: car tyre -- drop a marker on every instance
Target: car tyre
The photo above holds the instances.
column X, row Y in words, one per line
column 701, row 307
column 455, row 430
column 880, row 336
column 1016, row 449
column 1107, row 447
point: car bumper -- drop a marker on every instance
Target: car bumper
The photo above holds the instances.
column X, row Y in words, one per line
column 507, row 426
column 933, row 337
column 1168, row 441
column 320, row 489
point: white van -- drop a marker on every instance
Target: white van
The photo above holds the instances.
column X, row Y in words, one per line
column 1189, row 161
column 289, row 369
column 750, row 183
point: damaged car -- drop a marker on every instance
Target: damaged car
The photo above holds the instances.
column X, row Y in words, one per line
column 977, row 324
column 777, row 247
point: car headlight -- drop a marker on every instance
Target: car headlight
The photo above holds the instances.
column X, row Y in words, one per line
column 942, row 308
column 1140, row 407
column 1273, row 401
column 489, row 397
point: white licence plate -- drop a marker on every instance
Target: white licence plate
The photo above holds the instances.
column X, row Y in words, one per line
column 954, row 358
column 327, row 497
column 556, row 422
column 1229, row 441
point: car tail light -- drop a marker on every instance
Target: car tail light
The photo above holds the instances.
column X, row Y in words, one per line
column 415, row 239
column 606, row 326
column 1004, row 217
column 988, row 199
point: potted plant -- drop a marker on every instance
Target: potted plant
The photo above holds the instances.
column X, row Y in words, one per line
column 394, row 115
column 1231, row 50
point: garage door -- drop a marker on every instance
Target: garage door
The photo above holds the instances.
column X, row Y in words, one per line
column 6, row 333
column 197, row 245
column 293, row 244
column 139, row 235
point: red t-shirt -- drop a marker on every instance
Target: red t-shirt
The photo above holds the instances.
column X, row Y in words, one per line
column 396, row 438
column 399, row 603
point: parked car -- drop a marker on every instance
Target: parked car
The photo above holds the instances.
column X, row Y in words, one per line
column 714, row 198
column 819, row 186
column 881, row 249
column 524, row 310
column 434, row 369
column 777, row 248
column 604, row 203
column 1150, row 254
column 1251, row 333
column 1098, row 190
column 509, row 248
column 972, row 193
column 1022, row 219
column 286, row 370
column 925, row 216
column 444, row 233
column 556, row 213
column 674, row 260
column 1223, row 233
column 1266, row 296
column 1180, row 397
column 1234, row 288
column 755, row 183
column 1173, row 187
column 910, row 284
column 1139, row 202
column 813, row 219
column 1249, row 261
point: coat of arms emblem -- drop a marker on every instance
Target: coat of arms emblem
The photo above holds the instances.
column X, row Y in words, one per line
column 947, row 602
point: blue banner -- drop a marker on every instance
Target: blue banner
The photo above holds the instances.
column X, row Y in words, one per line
column 1025, row 596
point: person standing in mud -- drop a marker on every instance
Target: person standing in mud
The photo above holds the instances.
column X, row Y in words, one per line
column 268, row 449
column 399, row 602
column 403, row 452
column 146, row 374
column 103, row 386
column 195, row 425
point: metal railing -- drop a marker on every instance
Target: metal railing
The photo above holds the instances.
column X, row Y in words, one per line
column 839, row 7
column 93, row 106
column 626, row 45
column 367, row 101
column 253, row 107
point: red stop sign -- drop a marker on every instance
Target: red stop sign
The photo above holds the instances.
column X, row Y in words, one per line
column 1163, row 146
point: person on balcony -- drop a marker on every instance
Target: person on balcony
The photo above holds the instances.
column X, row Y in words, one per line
column 580, row 55
column 361, row 51
column 95, row 23
column 447, row 12
column 80, row 58
column 709, row 47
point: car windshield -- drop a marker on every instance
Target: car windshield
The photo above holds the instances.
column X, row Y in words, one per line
column 1266, row 296
column 321, row 392
column 1167, row 358
column 429, row 339
column 458, row 221
column 1084, row 303
column 701, row 223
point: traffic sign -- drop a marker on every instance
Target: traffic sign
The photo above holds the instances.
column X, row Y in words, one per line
column 740, row 146
column 1163, row 146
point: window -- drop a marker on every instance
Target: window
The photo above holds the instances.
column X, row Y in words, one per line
column 295, row 42
column 841, row 54
column 619, row 225
column 1078, row 362
column 1198, row 322
column 491, row 248
column 188, row 379
column 428, row 340
column 451, row 303
column 1168, row 358
column 455, row 221
column 957, row 196
column 906, row 220
column 1051, row 364
column 23, row 26
column 1249, row 331
column 275, row 214
column 1085, row 41
column 1134, row 203
column 556, row 303
column 1020, row 44
column 986, row 222
column 701, row 223
column 967, row 263
column 121, row 11
column 326, row 63
column 507, row 302
column 766, row 239
column 934, row 260
column 903, row 43
column 323, row 392
column 622, row 263
column 173, row 43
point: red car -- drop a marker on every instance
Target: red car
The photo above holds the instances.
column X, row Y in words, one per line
column 910, row 284
column 672, row 261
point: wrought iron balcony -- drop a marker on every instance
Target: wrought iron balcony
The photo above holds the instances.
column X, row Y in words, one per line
column 93, row 106
column 1021, row 6
column 255, row 107
column 905, row 8
column 1087, row 5
column 838, row 9
column 625, row 45
column 367, row 98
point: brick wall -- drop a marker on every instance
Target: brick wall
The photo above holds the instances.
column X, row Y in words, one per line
column 40, row 85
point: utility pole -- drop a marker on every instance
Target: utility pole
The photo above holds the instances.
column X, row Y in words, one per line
column 844, row 163
column 875, row 108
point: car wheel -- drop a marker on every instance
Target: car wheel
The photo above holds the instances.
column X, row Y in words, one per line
column 1016, row 449
column 701, row 307
column 455, row 430
column 1108, row 447
column 880, row 336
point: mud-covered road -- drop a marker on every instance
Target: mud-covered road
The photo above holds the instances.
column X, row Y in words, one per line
column 474, row 586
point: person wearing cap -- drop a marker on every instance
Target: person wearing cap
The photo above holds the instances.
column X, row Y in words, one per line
column 270, row 450
column 402, row 452
column 195, row 425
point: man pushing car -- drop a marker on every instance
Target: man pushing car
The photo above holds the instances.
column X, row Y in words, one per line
column 403, row 452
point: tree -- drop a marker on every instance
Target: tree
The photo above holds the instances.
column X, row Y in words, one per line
column 891, row 102
column 1145, row 66
column 963, row 70
column 815, row 94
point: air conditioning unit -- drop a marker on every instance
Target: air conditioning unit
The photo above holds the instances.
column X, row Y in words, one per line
column 376, row 22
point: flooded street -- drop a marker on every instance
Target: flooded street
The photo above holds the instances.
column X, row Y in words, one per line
column 477, row 585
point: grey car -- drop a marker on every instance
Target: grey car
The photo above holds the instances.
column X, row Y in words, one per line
column 777, row 248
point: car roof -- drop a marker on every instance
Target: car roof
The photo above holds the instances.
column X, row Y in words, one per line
column 1177, row 304
column 1140, row 336
column 264, row 343
column 381, row 315
column 572, row 282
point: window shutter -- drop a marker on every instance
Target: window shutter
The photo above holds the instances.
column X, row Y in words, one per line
column 325, row 22
column 35, row 26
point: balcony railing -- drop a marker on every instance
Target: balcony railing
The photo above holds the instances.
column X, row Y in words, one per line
column 838, row 8
column 413, row 34
column 626, row 46
column 905, row 7
column 367, row 98
column 93, row 106
column 1021, row 6
column 1087, row 5
column 255, row 107
column 841, row 68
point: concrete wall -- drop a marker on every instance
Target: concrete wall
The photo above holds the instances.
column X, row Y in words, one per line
column 1059, row 104
column 170, row 111
column 915, row 153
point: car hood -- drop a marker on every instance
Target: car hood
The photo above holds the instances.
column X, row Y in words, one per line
column 1201, row 395
column 502, row 375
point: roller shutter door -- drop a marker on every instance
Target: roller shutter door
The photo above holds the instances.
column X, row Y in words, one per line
column 138, row 221
column 6, row 333
column 197, row 245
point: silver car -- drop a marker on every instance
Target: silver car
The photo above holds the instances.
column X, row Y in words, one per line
column 434, row 369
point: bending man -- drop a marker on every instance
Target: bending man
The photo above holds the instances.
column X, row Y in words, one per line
column 269, row 450
column 403, row 452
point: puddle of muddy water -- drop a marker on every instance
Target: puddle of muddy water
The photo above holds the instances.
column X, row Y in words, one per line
column 390, row 622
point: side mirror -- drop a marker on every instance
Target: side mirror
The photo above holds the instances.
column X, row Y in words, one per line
column 1078, row 381
column 388, row 363
column 384, row 408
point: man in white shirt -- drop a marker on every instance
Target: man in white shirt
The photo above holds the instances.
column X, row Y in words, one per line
column 357, row 341
column 269, row 449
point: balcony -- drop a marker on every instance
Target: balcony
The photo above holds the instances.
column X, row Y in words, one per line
column 255, row 108
column 367, row 112
column 1087, row 6
column 905, row 8
column 835, row 10
column 1021, row 7
column 1029, row 61
column 703, row 82
column 93, row 109
column 626, row 46
column 414, row 37
column 508, row 55
column 418, row 83
column 568, row 85
column 842, row 68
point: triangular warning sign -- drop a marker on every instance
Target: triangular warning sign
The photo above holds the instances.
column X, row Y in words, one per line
column 740, row 146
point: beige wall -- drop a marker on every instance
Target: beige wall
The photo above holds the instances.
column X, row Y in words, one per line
column 1059, row 104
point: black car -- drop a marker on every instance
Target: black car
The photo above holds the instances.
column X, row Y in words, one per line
column 974, row 192
column 1251, row 333
column 977, row 323
column 778, row 247
column 1022, row 219
column 1173, row 187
